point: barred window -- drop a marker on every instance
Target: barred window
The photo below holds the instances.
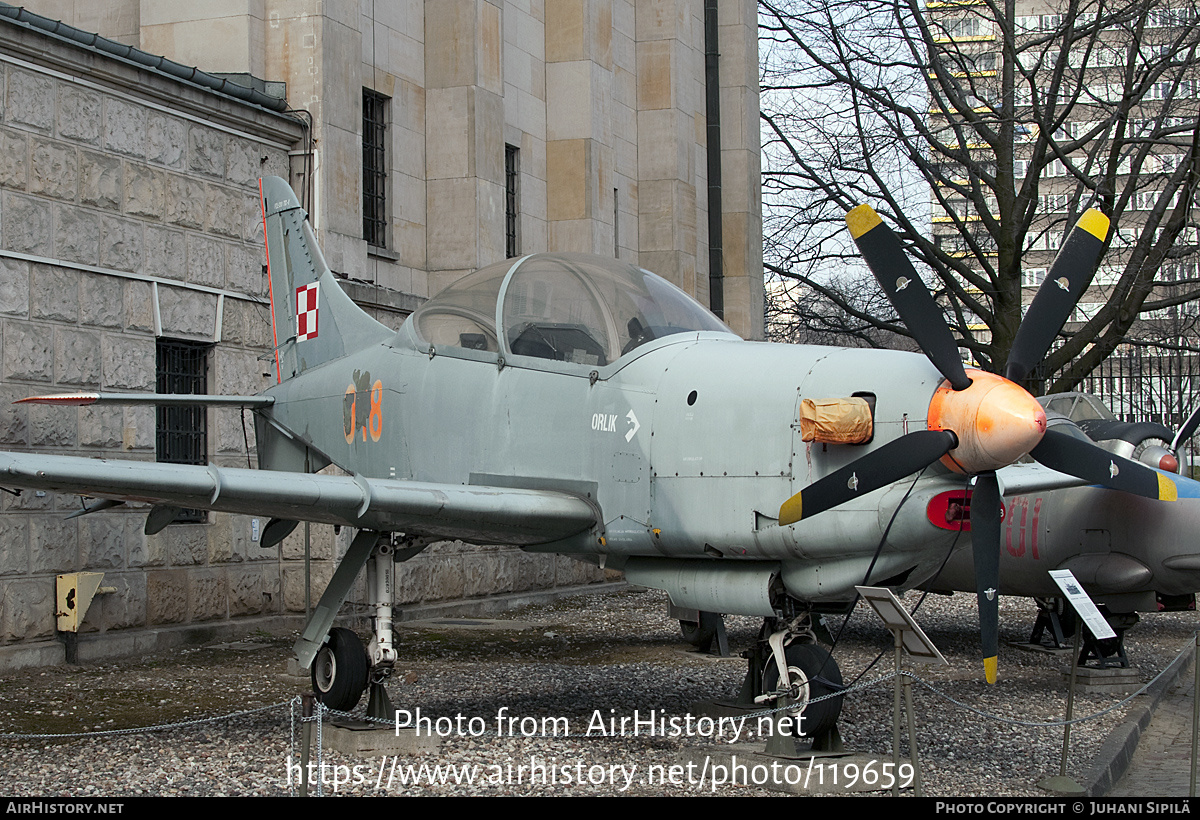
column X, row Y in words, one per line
column 181, row 433
column 512, row 203
column 374, row 142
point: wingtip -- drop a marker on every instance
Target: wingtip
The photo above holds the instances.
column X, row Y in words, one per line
column 862, row 219
column 989, row 669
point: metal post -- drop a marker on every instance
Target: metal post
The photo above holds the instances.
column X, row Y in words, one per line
column 1062, row 766
column 897, row 639
column 1195, row 712
column 912, row 740
column 306, row 713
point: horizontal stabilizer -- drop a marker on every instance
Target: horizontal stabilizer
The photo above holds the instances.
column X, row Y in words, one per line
column 171, row 399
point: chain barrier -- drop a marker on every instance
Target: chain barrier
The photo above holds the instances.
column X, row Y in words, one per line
column 323, row 713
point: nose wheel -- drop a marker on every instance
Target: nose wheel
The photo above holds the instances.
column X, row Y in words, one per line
column 339, row 672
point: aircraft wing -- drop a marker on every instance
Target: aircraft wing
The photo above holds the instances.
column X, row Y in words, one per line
column 489, row 515
column 1022, row 479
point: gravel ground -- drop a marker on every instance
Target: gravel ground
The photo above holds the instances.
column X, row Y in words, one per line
column 608, row 654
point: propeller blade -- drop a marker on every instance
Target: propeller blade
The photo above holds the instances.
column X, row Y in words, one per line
column 891, row 462
column 1084, row 459
column 986, row 507
column 1065, row 282
column 1186, row 431
column 881, row 249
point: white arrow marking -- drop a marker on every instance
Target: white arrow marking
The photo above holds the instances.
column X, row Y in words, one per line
column 636, row 426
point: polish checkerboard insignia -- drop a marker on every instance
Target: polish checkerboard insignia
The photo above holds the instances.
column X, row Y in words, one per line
column 306, row 312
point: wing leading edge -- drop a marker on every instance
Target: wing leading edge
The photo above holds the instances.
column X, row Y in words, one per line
column 486, row 515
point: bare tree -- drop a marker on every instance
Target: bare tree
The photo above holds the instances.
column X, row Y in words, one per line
column 982, row 134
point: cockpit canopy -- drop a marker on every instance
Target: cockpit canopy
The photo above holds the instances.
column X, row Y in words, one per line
column 588, row 310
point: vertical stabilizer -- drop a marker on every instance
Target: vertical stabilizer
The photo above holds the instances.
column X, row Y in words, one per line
column 313, row 320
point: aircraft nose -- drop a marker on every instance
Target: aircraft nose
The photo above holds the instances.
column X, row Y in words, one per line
column 995, row 420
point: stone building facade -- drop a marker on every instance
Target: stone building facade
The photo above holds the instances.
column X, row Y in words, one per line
column 129, row 219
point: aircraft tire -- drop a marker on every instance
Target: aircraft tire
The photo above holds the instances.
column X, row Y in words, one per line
column 805, row 661
column 339, row 672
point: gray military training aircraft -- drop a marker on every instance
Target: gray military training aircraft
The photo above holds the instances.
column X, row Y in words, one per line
column 580, row 405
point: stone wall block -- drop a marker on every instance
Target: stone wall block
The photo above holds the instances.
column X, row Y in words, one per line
column 226, row 211
column 187, row 314
column 53, row 429
column 30, row 100
column 121, row 245
column 100, row 180
column 28, row 352
column 205, row 261
column 293, row 584
column 14, row 429
column 101, row 301
column 139, row 306
column 129, row 362
column 145, row 550
column 208, row 593
column 186, row 543
column 79, row 114
column 166, row 253
column 53, row 545
column 54, row 170
column 166, row 596
column 244, row 269
column 14, row 287
column 243, row 167
column 186, row 201
column 145, row 189
column 103, row 539
column 139, row 425
column 124, row 608
column 14, row 543
column 27, row 225
column 26, row 609
column 321, row 543
column 206, row 151
column 53, row 293
column 77, row 237
column 125, row 128
column 77, row 357
column 13, row 167
column 165, row 141
column 253, row 590
column 101, row 426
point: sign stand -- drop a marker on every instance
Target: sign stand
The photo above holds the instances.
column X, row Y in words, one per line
column 909, row 637
column 1090, row 616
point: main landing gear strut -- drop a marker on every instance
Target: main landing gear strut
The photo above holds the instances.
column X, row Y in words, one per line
column 341, row 667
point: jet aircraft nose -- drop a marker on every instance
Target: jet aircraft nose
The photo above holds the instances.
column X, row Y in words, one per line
column 996, row 422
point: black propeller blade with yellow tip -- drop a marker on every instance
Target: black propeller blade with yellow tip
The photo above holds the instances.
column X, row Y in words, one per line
column 1065, row 282
column 890, row 463
column 881, row 250
column 1081, row 457
column 986, row 511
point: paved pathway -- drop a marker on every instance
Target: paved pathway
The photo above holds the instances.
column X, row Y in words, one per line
column 1160, row 766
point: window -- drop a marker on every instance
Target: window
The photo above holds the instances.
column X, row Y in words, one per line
column 374, row 142
column 181, row 433
column 512, row 203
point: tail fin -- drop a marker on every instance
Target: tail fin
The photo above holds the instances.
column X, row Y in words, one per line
column 313, row 320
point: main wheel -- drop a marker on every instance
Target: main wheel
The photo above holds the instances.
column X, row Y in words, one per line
column 339, row 672
column 811, row 670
